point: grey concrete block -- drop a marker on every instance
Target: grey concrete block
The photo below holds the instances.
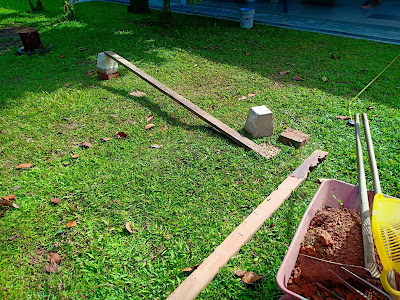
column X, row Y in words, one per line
column 106, row 65
column 259, row 122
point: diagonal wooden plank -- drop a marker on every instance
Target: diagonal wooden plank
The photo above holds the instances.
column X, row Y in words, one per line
column 202, row 276
column 221, row 127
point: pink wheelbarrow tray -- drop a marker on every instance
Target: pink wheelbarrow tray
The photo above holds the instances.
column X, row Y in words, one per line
column 331, row 193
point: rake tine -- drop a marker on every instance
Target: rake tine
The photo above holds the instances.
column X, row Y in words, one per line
column 350, row 286
column 329, row 291
column 367, row 283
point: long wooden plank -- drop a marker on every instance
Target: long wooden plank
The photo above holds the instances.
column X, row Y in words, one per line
column 202, row 276
column 221, row 127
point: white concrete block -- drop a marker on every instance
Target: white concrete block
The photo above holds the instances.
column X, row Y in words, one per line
column 106, row 65
column 259, row 122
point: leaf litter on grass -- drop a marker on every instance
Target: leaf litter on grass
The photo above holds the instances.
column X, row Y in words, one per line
column 121, row 134
column 128, row 227
column 156, row 146
column 248, row 277
column 24, row 166
column 150, row 117
column 54, row 258
column 297, row 78
column 8, row 201
column 10, row 197
column 149, row 126
column 85, row 145
column 191, row 268
column 71, row 223
column 249, row 95
column 55, row 200
column 343, row 118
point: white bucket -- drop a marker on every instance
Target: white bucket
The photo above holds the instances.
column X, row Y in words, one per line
column 247, row 17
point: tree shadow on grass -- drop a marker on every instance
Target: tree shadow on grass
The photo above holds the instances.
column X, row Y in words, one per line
column 264, row 51
column 167, row 117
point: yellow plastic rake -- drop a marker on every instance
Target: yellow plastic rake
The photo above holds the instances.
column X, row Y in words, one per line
column 386, row 233
column 385, row 223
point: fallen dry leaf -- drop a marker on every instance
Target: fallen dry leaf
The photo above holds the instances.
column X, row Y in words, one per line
column 62, row 55
column 137, row 93
column 247, row 53
column 325, row 79
column 242, row 98
column 150, row 135
column 83, row 49
column 248, row 277
column 195, row 65
column 297, row 78
column 321, row 180
column 191, row 268
column 90, row 73
column 71, row 224
column 106, row 139
column 54, row 257
column 251, row 277
column 149, row 126
column 150, row 117
column 343, row 118
column 52, row 268
column 11, row 238
column 85, row 145
column 128, row 227
column 240, row 273
column 215, row 47
column 24, row 166
column 155, row 146
column 55, row 200
column 284, row 72
column 76, row 155
column 9, row 197
column 66, row 163
column 370, row 107
column 121, row 134
column 250, row 95
column 8, row 203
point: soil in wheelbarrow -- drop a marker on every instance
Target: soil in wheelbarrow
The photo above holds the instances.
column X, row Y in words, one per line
column 334, row 234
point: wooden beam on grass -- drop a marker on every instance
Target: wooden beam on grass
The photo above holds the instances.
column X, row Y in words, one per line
column 202, row 276
column 218, row 125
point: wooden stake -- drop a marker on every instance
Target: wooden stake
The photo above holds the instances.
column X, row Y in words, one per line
column 221, row 127
column 202, row 276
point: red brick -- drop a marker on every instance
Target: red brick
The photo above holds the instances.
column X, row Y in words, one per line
column 109, row 76
column 294, row 137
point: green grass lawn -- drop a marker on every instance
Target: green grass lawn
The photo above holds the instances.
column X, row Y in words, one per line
column 182, row 200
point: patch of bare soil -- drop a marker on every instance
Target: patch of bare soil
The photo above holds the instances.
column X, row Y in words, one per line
column 270, row 149
column 334, row 234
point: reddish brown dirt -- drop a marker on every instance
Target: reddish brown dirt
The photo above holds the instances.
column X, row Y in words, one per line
column 335, row 235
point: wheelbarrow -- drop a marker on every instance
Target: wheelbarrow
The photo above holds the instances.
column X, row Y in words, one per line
column 328, row 194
